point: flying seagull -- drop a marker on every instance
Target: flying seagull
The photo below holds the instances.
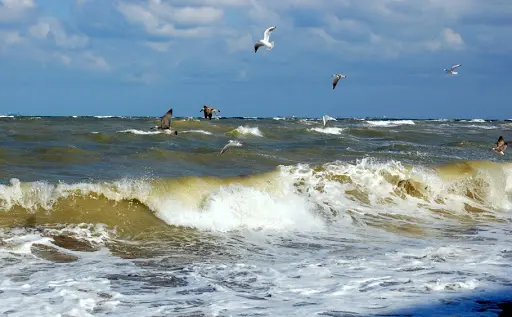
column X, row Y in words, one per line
column 336, row 78
column 208, row 111
column 452, row 71
column 265, row 41
column 326, row 118
column 501, row 146
column 231, row 143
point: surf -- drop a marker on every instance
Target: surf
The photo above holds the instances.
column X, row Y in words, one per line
column 297, row 197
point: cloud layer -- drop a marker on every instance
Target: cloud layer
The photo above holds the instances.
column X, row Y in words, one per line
column 147, row 42
column 382, row 29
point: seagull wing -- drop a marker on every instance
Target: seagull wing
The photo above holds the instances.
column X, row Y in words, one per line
column 335, row 81
column 500, row 143
column 224, row 149
column 456, row 66
column 324, row 118
column 256, row 46
column 230, row 144
column 266, row 34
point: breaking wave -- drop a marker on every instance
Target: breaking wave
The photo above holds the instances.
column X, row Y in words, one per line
column 328, row 130
column 246, row 131
column 390, row 123
column 297, row 198
column 197, row 131
column 142, row 132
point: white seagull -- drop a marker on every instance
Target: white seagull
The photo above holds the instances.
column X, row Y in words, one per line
column 336, row 78
column 265, row 41
column 230, row 144
column 452, row 71
column 326, row 118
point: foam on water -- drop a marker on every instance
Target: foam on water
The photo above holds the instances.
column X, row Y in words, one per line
column 142, row 132
column 304, row 241
column 328, row 130
column 197, row 131
column 390, row 123
column 247, row 131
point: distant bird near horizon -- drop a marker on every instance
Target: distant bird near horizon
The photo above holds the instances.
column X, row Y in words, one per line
column 452, row 71
column 208, row 111
column 327, row 118
column 336, row 78
column 265, row 41
column 231, row 143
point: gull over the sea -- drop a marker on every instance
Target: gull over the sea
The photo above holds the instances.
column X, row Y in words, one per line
column 266, row 40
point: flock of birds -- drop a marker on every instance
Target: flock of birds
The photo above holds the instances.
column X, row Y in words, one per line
column 208, row 111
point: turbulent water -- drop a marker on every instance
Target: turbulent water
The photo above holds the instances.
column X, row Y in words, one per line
column 363, row 217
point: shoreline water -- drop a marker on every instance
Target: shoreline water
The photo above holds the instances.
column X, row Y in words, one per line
column 361, row 217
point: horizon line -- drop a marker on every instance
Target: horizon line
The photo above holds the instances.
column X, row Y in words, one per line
column 241, row 117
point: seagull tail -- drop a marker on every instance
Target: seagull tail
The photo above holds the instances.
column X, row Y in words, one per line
column 272, row 44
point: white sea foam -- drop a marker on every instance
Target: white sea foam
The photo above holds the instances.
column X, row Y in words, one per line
column 142, row 132
column 328, row 130
column 485, row 127
column 339, row 237
column 247, row 131
column 390, row 123
column 197, row 131
column 190, row 119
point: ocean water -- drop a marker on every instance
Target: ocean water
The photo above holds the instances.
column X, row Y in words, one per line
column 103, row 216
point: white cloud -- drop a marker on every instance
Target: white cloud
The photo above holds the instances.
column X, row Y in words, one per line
column 51, row 29
column 96, row 61
column 64, row 59
column 452, row 39
column 13, row 10
column 9, row 38
column 18, row 4
column 242, row 43
column 161, row 19
column 158, row 46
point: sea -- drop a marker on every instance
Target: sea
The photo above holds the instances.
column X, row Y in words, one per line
column 106, row 216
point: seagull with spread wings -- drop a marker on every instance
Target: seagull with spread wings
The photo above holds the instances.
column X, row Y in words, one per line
column 266, row 40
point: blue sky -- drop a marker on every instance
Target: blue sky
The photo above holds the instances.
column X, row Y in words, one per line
column 140, row 57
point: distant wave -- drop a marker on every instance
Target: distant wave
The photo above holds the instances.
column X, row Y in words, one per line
column 197, row 131
column 485, row 127
column 390, row 123
column 141, row 132
column 328, row 130
column 6, row 116
column 474, row 120
column 246, row 130
column 190, row 119
column 106, row 117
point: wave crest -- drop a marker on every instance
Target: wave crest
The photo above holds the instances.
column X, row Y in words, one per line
column 245, row 131
column 390, row 123
column 299, row 197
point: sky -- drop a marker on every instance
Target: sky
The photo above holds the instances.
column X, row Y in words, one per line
column 142, row 57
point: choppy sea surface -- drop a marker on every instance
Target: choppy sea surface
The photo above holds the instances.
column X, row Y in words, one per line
column 103, row 216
